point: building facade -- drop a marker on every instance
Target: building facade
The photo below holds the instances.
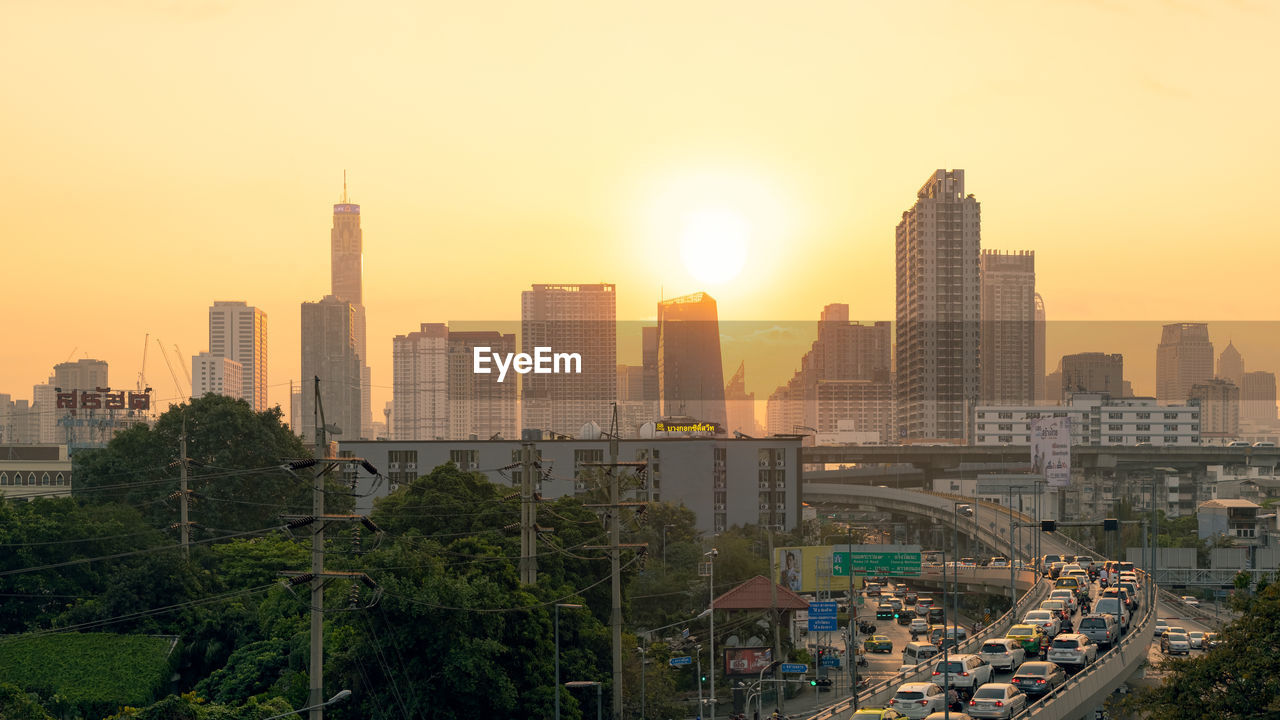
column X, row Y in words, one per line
column 31, row 471
column 329, row 354
column 1008, row 331
column 1231, row 365
column 346, row 267
column 1095, row 420
column 740, row 405
column 1092, row 372
column 578, row 319
column 938, row 243
column 724, row 481
column 216, row 374
column 480, row 407
column 861, row 406
column 1183, row 358
column 690, row 369
column 1258, row 397
column 420, row 384
column 238, row 331
column 1219, row 402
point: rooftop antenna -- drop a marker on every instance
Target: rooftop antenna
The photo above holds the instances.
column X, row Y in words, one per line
column 344, row 186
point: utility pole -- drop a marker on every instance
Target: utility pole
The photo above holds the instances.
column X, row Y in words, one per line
column 182, row 489
column 528, row 517
column 780, row 691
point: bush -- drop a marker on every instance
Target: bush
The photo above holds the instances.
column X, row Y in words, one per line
column 92, row 674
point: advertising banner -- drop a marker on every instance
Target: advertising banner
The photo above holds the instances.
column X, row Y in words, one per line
column 1051, row 450
column 747, row 661
column 791, row 568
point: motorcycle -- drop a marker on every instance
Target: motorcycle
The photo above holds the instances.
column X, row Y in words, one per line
column 866, row 628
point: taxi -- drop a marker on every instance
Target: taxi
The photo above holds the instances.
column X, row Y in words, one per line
column 878, row 643
column 1029, row 636
column 876, row 714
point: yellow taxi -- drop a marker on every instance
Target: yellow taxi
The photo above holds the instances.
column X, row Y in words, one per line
column 876, row 714
column 878, row 643
column 1030, row 637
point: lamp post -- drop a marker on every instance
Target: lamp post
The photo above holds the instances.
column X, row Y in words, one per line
column 851, row 647
column 711, row 608
column 339, row 697
column 588, row 683
column 558, row 606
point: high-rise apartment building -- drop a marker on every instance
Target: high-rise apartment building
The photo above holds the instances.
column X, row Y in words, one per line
column 420, row 384
column 211, row 373
column 346, row 267
column 740, row 405
column 578, row 319
column 1231, row 365
column 1041, row 327
column 1184, row 358
column 690, row 369
column 1008, row 330
column 938, row 243
column 1092, row 372
column 238, row 331
column 649, row 362
column 329, row 353
column 1219, row 402
column 83, row 374
column 1258, row 397
column 480, row 407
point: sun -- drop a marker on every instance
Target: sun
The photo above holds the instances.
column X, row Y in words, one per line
column 713, row 244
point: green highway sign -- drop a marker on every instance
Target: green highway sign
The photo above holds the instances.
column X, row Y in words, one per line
column 875, row 563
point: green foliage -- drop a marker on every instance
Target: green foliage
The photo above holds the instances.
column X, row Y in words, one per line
column 1238, row 679
column 251, row 670
column 92, row 673
column 15, row 704
column 190, row 707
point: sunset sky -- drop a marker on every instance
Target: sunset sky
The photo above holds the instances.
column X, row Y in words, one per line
column 160, row 155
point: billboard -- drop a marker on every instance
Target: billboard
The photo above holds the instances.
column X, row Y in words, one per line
column 808, row 568
column 1051, row 450
column 791, row 564
column 747, row 661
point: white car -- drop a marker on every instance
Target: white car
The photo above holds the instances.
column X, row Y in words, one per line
column 1046, row 620
column 1065, row 596
column 997, row 700
column 1190, row 600
column 1003, row 654
column 1072, row 650
column 963, row 672
column 916, row 700
column 1197, row 639
column 1176, row 642
column 1162, row 626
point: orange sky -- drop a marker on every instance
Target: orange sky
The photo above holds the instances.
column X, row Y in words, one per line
column 161, row 154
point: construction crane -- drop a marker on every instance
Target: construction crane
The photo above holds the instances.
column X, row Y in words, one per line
column 182, row 363
column 176, row 382
column 142, row 372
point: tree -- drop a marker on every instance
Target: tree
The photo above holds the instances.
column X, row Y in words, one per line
column 236, row 474
column 1240, row 678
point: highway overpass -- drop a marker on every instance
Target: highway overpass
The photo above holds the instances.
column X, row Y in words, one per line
column 933, row 459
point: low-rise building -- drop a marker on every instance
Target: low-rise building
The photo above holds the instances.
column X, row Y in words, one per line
column 1096, row 419
column 29, row 471
column 1234, row 519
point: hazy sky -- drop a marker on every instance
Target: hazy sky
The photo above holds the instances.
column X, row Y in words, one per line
column 159, row 155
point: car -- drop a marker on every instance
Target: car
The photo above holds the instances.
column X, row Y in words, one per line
column 1085, row 562
column 1037, row 678
column 1071, row 583
column 947, row 636
column 1103, row 630
column 1238, row 443
column 1197, row 639
column 1190, row 600
column 998, row 562
column 872, row 590
column 1066, row 569
column 1132, row 589
column 953, row 715
column 876, row 714
column 1175, row 643
column 916, row 653
column 878, row 643
column 1073, row 650
column 997, row 700
column 1162, row 625
column 1115, row 607
column 918, row 626
column 1003, row 653
column 962, row 672
column 884, row 611
column 916, row 700
column 1066, row 596
column 1211, row 640
column 911, row 598
column 1060, row 608
column 965, row 510
column 1264, row 444
column 906, row 616
column 935, row 615
column 1029, row 636
column 1055, row 569
column 923, row 603
column 1047, row 620
column 895, row 603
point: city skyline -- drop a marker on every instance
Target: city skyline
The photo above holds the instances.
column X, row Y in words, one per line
column 810, row 170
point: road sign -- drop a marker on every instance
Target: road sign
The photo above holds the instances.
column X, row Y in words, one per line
column 795, row 668
column 822, row 609
column 822, row 616
column 829, row 661
column 875, row 563
column 822, row 624
column 1221, row 593
column 677, row 661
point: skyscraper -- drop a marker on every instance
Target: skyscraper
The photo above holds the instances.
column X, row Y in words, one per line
column 1184, row 358
column 83, row 374
column 1041, row 327
column 740, row 405
column 329, row 353
column 1092, row 372
column 420, row 384
column 1219, row 402
column 1258, row 397
column 1008, row 339
column 1231, row 365
column 480, row 407
column 578, row 319
column 346, row 266
column 216, row 374
column 938, row 305
column 238, row 332
column 690, row 368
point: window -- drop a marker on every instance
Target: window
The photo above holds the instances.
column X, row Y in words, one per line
column 1006, row 438
column 1115, row 416
column 1171, row 416
column 469, row 459
column 1143, row 426
column 1143, row 438
column 1116, row 427
column 4, row 478
column 1115, row 438
column 1006, row 427
column 1171, row 438
column 1006, row 416
column 1144, row 416
column 1171, row 428
column 44, row 479
column 58, row 480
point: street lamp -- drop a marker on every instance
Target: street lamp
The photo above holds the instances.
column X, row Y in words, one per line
column 558, row 606
column 339, row 697
column 583, row 684
column 711, row 608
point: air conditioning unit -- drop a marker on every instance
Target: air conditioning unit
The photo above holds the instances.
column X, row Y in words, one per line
column 580, row 486
column 719, row 506
column 782, row 460
column 393, row 467
column 781, row 485
column 411, row 466
column 780, row 506
column 764, row 506
column 764, row 484
column 764, row 462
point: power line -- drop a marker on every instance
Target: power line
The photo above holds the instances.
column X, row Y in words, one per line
column 129, row 553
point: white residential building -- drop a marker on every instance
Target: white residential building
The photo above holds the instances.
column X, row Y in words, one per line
column 1096, row 419
column 216, row 374
column 238, row 331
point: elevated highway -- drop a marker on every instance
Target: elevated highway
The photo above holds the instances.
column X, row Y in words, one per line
column 936, row 458
column 1086, row 690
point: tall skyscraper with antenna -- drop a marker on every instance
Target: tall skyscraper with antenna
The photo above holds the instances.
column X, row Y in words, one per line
column 346, row 265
